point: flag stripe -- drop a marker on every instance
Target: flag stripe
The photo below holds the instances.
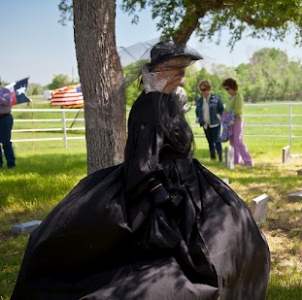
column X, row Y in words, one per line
column 68, row 97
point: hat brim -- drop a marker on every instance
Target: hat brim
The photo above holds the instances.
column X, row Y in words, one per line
column 187, row 52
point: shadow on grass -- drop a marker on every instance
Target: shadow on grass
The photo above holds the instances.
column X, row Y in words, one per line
column 11, row 251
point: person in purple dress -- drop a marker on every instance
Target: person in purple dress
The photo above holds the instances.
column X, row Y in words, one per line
column 235, row 106
column 227, row 121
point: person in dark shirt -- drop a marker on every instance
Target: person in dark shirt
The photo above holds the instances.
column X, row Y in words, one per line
column 157, row 226
column 6, row 125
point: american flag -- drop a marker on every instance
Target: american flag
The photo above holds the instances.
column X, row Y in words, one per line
column 68, row 97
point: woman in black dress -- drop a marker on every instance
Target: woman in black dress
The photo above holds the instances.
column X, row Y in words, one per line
column 158, row 226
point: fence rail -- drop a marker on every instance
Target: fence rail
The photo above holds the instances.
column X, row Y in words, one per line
column 63, row 121
column 65, row 128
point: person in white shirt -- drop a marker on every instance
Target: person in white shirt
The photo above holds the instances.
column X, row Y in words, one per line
column 209, row 109
column 6, row 126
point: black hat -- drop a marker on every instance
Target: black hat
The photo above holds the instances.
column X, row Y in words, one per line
column 163, row 51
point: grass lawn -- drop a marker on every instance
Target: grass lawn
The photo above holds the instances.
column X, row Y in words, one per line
column 46, row 172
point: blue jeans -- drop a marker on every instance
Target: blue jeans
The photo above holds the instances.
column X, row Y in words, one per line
column 213, row 138
column 6, row 125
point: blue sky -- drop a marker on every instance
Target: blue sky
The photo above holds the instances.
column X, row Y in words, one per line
column 34, row 44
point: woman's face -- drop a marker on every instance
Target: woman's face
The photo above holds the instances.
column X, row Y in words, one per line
column 230, row 91
column 172, row 72
column 204, row 91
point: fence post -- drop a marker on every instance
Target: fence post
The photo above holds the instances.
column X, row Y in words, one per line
column 64, row 128
column 290, row 124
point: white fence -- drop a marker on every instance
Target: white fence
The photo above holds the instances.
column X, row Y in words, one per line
column 62, row 126
column 287, row 112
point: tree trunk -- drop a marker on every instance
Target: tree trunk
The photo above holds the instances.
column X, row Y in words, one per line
column 101, row 80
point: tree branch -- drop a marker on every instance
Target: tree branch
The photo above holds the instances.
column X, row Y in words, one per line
column 189, row 23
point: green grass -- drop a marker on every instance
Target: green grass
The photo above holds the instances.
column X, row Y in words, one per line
column 46, row 172
column 40, row 180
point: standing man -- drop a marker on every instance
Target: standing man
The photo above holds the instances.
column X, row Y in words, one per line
column 209, row 109
column 6, row 125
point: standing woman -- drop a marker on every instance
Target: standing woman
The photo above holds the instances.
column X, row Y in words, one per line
column 209, row 109
column 6, row 126
column 235, row 105
column 157, row 226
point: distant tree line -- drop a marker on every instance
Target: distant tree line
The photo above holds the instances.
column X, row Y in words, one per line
column 58, row 81
column 268, row 76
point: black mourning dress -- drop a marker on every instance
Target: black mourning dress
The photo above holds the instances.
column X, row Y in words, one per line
column 158, row 226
